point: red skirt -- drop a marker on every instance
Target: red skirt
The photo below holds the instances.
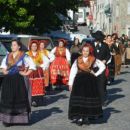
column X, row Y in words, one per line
column 59, row 71
column 37, row 82
column 46, row 77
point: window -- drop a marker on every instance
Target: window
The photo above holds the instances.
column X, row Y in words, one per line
column 117, row 11
column 3, row 50
column 128, row 8
column 80, row 15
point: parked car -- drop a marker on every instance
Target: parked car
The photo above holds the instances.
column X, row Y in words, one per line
column 87, row 40
column 71, row 25
column 25, row 39
column 55, row 41
column 66, row 35
column 5, row 44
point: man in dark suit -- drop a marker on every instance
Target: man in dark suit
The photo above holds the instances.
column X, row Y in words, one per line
column 101, row 52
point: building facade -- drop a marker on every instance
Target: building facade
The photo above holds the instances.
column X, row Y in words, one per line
column 102, row 15
column 121, row 16
column 112, row 16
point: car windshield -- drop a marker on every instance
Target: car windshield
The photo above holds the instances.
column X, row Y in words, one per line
column 3, row 50
column 69, row 43
column 8, row 46
column 6, row 43
column 48, row 43
column 90, row 41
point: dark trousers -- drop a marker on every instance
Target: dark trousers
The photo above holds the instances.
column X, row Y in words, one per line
column 101, row 83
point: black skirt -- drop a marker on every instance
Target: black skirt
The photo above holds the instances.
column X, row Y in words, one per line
column 14, row 102
column 84, row 99
column 111, row 67
column 74, row 56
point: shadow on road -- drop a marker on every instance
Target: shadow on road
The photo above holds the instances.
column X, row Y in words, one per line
column 112, row 98
column 114, row 91
column 124, row 72
column 113, row 94
column 118, row 81
column 55, row 98
column 107, row 114
column 40, row 115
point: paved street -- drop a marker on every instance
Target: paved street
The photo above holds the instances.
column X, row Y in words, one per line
column 83, row 30
column 53, row 116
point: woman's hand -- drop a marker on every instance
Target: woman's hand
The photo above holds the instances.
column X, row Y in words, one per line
column 23, row 73
column 5, row 72
column 69, row 62
column 104, row 61
column 113, row 53
column 70, row 88
column 92, row 72
column 26, row 72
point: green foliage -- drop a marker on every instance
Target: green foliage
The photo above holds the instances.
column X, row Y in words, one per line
column 33, row 16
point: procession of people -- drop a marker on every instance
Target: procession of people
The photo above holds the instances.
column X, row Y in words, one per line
column 84, row 70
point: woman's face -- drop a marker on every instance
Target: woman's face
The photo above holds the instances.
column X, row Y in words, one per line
column 109, row 39
column 14, row 46
column 42, row 45
column 85, row 52
column 76, row 41
column 61, row 44
column 34, row 47
column 114, row 38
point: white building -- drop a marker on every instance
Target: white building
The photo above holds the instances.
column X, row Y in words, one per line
column 80, row 15
column 3, row 32
column 102, row 15
column 121, row 17
column 112, row 16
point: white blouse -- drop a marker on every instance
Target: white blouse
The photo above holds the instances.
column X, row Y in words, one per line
column 28, row 62
column 51, row 57
column 46, row 63
column 68, row 55
column 74, row 69
column 45, row 60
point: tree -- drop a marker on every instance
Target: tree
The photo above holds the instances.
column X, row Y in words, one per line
column 84, row 2
column 33, row 16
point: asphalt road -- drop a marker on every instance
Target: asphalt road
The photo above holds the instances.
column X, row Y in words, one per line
column 53, row 115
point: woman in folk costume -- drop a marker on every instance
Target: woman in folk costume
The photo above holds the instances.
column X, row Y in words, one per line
column 111, row 62
column 85, row 101
column 118, row 54
column 60, row 67
column 75, row 50
column 50, row 56
column 37, row 76
column 14, row 99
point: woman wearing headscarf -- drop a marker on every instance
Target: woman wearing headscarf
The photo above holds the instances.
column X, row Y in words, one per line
column 51, row 57
column 85, row 101
column 60, row 67
column 15, row 96
column 75, row 50
column 37, row 77
column 111, row 62
column 118, row 54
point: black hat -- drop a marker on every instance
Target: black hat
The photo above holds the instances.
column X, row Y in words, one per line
column 98, row 35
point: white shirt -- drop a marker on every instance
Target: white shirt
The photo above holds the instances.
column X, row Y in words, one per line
column 46, row 63
column 74, row 69
column 51, row 57
column 99, row 46
column 68, row 55
column 45, row 60
column 28, row 62
column 117, row 44
column 97, row 43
